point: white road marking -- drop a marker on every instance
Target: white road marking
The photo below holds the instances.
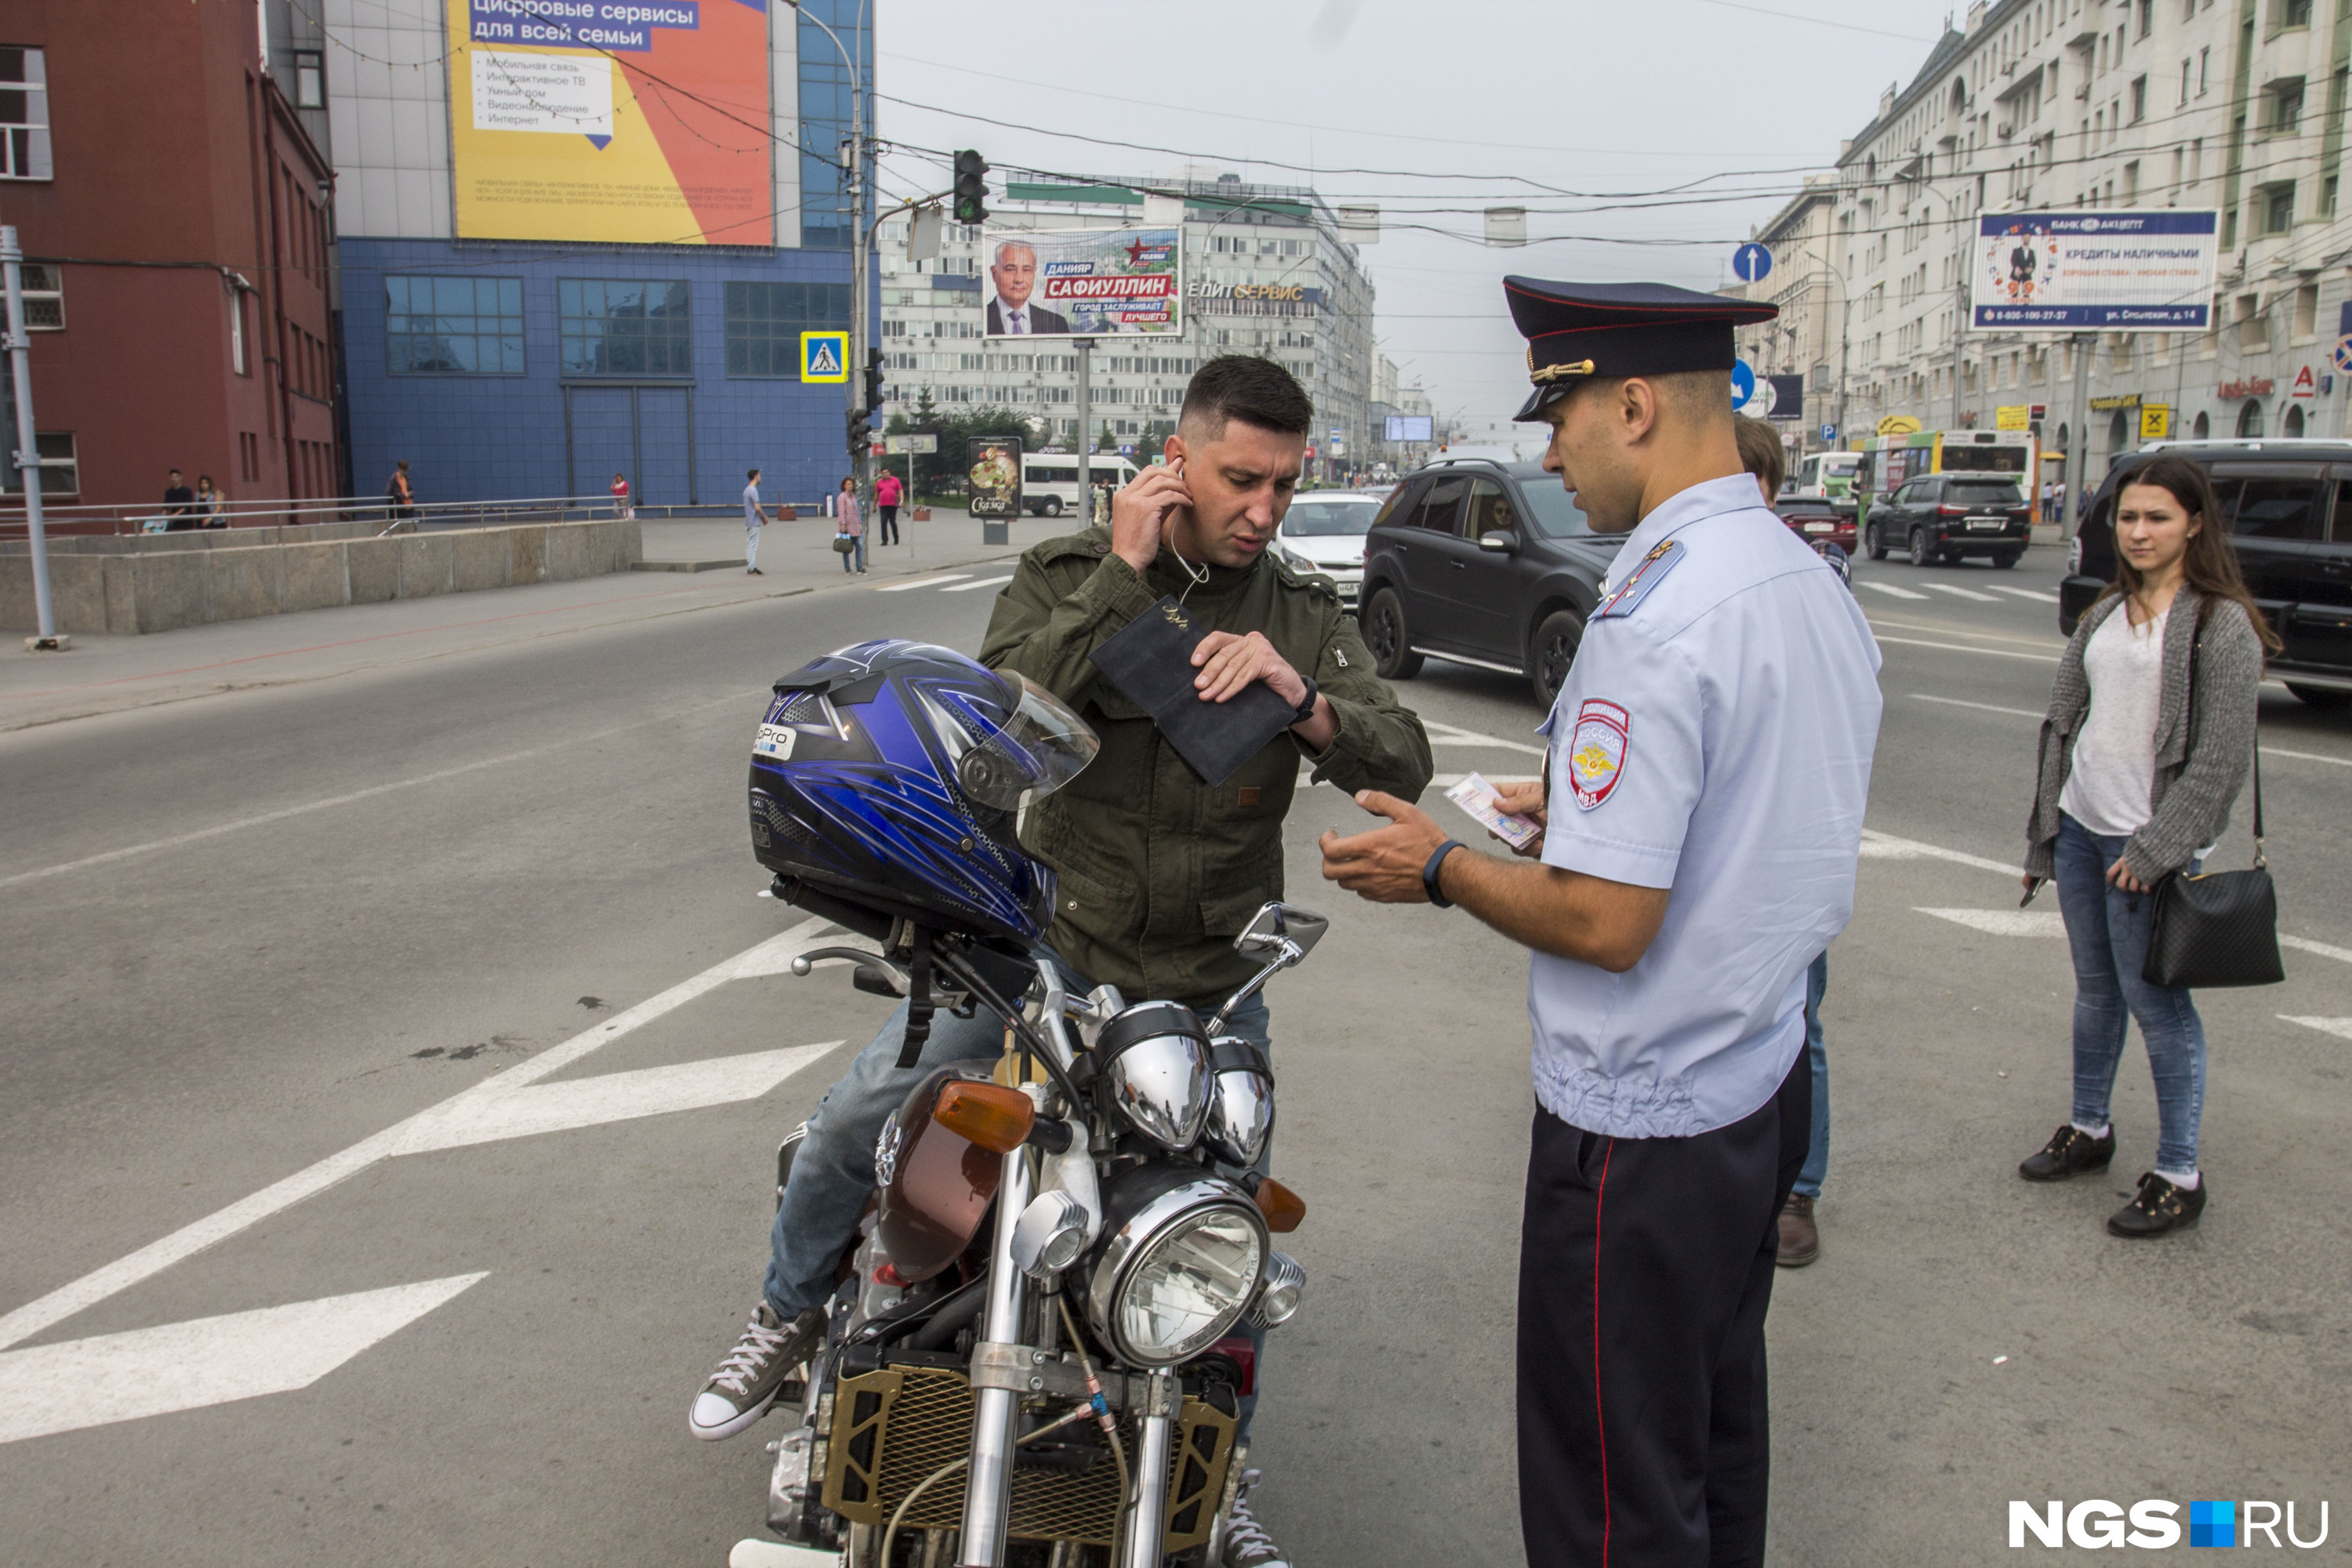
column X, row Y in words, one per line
column 1964, row 648
column 1888, row 588
column 1449, row 735
column 1878, row 846
column 2043, row 595
column 614, row 1097
column 156, row 846
column 204, row 1361
column 2340, row 1027
column 1964, row 593
column 2306, row 756
column 983, row 582
column 2003, row 922
column 770, row 957
column 1983, row 707
column 922, row 582
column 2305, row 945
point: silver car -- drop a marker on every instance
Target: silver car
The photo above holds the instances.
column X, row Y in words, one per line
column 1324, row 532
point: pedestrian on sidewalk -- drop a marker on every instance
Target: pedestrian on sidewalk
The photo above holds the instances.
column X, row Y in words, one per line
column 886, row 500
column 179, row 504
column 212, row 505
column 2149, row 737
column 401, row 497
column 754, row 517
column 621, row 507
column 848, row 524
column 1761, row 455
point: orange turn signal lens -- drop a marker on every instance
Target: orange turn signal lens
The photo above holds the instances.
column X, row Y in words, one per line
column 1283, row 1208
column 991, row 1115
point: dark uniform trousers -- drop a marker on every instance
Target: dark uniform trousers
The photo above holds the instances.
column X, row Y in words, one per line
column 1645, row 1268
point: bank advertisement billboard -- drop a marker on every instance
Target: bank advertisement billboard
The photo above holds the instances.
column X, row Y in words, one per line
column 624, row 121
column 2108, row 271
column 1085, row 282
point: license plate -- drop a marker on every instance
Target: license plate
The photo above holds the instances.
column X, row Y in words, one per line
column 1987, row 525
column 1821, row 528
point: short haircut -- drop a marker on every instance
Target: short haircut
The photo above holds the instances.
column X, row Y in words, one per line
column 1245, row 387
column 750, row 473
column 1760, row 452
column 996, row 256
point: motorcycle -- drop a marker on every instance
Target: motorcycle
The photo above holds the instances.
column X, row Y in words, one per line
column 1045, row 1296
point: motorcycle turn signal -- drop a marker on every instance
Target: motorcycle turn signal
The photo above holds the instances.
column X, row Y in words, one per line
column 1283, row 1209
column 991, row 1115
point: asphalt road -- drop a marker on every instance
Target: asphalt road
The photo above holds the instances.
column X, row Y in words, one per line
column 269, row 1296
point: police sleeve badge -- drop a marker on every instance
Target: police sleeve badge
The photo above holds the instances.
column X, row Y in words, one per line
column 1596, row 751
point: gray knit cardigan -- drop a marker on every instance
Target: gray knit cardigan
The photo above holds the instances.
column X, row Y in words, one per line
column 2190, row 801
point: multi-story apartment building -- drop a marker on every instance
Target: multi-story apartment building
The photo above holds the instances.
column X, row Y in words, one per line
column 1265, row 271
column 2237, row 105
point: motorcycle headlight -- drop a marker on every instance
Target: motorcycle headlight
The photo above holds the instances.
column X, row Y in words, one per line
column 1277, row 1298
column 1153, row 1065
column 1241, row 1110
column 1180, row 1261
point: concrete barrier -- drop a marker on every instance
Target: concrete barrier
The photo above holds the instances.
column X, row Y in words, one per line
column 158, row 583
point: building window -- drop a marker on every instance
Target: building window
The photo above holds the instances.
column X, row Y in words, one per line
column 24, row 115
column 2294, row 13
column 2146, row 17
column 2278, row 208
column 60, row 471
column 765, row 321
column 452, row 326
column 635, row 328
column 2286, row 108
column 310, row 79
column 2250, row 421
column 2138, row 99
column 45, row 298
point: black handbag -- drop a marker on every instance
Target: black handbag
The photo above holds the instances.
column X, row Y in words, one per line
column 2222, row 928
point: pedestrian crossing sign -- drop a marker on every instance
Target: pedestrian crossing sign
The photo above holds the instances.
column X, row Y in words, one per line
column 824, row 356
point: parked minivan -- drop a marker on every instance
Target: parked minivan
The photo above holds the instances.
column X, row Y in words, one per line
column 2288, row 506
column 1049, row 480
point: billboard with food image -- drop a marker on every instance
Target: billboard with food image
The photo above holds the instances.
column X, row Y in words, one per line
column 1085, row 282
column 995, row 469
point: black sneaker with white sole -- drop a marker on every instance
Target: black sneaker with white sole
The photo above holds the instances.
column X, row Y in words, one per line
column 754, row 1372
column 1247, row 1545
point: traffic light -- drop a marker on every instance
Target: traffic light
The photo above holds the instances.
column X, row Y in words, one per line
column 873, row 378
column 971, row 187
column 858, row 434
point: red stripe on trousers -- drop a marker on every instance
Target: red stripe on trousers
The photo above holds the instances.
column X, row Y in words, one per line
column 1599, row 1196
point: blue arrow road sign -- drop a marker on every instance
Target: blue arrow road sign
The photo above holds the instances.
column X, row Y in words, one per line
column 2344, row 353
column 1743, row 383
column 1750, row 262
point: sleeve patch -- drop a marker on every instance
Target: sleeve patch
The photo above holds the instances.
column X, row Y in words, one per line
column 1597, row 750
column 1629, row 594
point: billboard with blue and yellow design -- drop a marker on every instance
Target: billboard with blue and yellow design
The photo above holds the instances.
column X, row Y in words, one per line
column 623, row 122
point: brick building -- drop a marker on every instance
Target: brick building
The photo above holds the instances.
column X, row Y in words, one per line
column 173, row 214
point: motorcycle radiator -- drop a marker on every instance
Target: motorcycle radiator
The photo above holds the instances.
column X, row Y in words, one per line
column 893, row 1426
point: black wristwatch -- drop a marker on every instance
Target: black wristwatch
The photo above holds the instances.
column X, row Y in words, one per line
column 1307, row 709
column 1429, row 873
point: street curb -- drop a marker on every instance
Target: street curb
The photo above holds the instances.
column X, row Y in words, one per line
column 679, row 565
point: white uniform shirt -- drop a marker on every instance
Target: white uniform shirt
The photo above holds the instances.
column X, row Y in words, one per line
column 1712, row 737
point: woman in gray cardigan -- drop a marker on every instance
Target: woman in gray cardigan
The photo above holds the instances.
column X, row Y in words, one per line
column 2148, row 740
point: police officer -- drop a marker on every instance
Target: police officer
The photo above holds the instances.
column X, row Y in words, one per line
column 1702, row 811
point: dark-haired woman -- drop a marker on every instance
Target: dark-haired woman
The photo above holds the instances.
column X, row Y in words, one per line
column 2148, row 740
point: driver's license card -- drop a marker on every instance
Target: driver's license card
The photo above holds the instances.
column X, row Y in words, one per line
column 1477, row 797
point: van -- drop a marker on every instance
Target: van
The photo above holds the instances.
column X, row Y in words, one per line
column 1049, row 480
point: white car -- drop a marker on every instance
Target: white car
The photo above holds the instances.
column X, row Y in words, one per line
column 1324, row 532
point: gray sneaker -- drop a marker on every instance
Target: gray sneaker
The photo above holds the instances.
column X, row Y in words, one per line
column 748, row 1380
column 1247, row 1545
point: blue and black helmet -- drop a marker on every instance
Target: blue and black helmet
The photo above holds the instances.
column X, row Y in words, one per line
column 889, row 775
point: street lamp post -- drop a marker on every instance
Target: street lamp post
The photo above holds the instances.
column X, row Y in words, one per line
column 853, row 168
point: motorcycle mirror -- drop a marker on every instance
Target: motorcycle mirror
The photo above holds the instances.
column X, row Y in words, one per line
column 1277, row 923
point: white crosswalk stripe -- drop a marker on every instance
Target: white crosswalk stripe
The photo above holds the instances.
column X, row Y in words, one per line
column 1964, row 593
column 2339, row 1028
column 923, row 583
column 2041, row 594
column 1890, row 589
column 2004, row 922
column 983, row 582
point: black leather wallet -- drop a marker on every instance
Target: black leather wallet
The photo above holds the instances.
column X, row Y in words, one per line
column 1150, row 660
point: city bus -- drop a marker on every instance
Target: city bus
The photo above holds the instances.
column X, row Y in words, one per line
column 1827, row 474
column 1884, row 462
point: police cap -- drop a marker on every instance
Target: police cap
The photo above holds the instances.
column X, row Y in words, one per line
column 1576, row 331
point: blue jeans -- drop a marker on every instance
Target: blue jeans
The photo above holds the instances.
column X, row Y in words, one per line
column 859, row 554
column 833, row 1174
column 2107, row 930
column 1817, row 1158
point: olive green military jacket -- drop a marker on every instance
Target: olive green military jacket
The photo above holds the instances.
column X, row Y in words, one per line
column 1158, row 871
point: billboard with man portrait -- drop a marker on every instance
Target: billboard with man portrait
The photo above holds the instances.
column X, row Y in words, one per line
column 1085, row 282
column 625, row 121
column 2111, row 271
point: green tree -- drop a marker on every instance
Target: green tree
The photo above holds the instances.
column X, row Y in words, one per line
column 944, row 473
column 1149, row 445
column 1106, row 442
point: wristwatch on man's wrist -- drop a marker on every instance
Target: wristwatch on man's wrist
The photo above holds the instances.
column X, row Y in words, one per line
column 1306, row 710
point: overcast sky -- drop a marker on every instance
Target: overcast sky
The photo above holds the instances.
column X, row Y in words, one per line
column 1359, row 94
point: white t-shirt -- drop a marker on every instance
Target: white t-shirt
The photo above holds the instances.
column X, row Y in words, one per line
column 2114, row 756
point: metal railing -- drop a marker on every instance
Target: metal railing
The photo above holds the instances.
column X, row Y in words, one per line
column 155, row 517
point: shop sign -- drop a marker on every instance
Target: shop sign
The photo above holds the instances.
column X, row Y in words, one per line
column 2154, row 421
column 2013, row 416
column 2306, row 384
column 2108, row 404
column 2251, row 387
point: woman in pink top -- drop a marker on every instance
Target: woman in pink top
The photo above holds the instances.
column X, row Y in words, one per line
column 849, row 525
column 886, row 500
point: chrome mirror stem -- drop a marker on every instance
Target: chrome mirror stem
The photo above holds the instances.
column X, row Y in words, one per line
column 1290, row 955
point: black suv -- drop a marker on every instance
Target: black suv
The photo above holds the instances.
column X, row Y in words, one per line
column 1947, row 517
column 1482, row 562
column 2288, row 506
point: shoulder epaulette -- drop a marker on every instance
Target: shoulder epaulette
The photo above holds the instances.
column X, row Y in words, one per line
column 1629, row 594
